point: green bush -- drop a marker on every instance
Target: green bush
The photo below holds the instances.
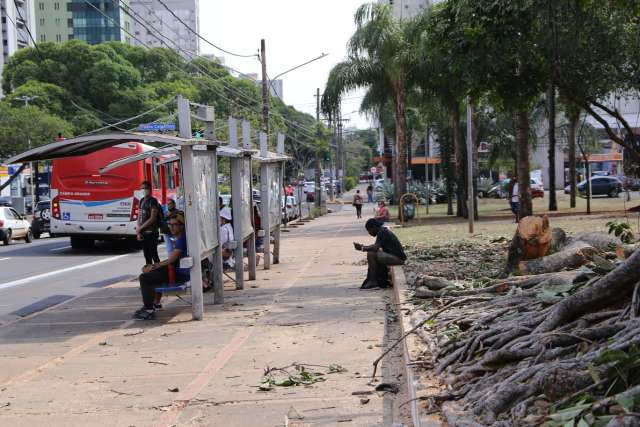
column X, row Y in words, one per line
column 349, row 183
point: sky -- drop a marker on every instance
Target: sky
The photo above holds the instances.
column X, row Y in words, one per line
column 295, row 32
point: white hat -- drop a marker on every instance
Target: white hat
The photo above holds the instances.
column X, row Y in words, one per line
column 226, row 213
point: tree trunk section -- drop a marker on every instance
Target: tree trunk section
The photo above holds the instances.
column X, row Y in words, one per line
column 522, row 154
column 611, row 288
column 574, row 119
column 461, row 170
column 401, row 142
column 476, row 157
column 551, row 95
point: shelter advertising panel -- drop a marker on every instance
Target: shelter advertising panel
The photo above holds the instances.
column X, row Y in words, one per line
column 205, row 176
column 275, row 194
column 247, row 208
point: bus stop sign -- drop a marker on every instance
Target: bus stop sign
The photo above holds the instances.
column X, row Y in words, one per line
column 157, row 127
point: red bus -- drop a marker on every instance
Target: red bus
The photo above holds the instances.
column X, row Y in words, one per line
column 88, row 206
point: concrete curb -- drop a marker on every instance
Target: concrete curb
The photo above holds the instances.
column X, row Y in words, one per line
column 401, row 300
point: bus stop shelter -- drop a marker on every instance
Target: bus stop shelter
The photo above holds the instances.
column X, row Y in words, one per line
column 198, row 166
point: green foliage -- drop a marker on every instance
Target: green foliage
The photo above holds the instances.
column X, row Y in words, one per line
column 349, row 183
column 300, row 376
column 622, row 230
column 19, row 125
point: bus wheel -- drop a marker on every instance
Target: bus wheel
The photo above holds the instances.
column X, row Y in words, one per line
column 81, row 243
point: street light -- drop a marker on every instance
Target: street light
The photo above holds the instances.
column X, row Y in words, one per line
column 34, row 197
column 295, row 68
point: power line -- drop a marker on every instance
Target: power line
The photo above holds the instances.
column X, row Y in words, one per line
column 200, row 36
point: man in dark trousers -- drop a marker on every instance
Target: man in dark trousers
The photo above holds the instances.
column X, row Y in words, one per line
column 147, row 230
column 386, row 251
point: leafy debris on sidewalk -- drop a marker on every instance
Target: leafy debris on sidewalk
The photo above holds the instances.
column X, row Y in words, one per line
column 296, row 374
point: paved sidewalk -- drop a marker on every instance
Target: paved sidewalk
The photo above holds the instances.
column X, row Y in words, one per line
column 85, row 363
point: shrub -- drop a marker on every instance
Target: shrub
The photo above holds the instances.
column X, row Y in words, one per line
column 349, row 183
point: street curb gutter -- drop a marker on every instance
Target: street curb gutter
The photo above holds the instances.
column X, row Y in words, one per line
column 401, row 300
column 399, row 297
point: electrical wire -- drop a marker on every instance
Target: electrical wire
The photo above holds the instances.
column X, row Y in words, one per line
column 200, row 36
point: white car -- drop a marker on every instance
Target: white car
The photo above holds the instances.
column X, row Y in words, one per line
column 13, row 226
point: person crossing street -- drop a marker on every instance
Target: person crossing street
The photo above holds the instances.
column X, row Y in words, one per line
column 357, row 203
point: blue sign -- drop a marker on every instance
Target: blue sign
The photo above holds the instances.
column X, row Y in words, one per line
column 157, row 127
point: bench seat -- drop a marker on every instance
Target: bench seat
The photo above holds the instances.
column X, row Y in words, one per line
column 174, row 288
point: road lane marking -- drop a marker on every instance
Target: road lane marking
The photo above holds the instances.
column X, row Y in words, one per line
column 21, row 282
column 59, row 249
column 4, row 259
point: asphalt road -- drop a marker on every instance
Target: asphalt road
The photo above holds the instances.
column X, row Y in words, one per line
column 46, row 272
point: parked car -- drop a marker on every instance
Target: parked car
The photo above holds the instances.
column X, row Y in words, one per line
column 289, row 208
column 13, row 226
column 41, row 219
column 501, row 190
column 601, row 186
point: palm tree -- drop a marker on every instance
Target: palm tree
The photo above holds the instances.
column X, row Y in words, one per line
column 379, row 58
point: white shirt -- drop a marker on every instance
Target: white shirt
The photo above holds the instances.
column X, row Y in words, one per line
column 515, row 197
column 226, row 234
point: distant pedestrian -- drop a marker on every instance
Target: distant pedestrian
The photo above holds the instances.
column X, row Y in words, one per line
column 370, row 194
column 382, row 213
column 147, row 229
column 515, row 198
column 226, row 238
column 357, row 203
column 386, row 251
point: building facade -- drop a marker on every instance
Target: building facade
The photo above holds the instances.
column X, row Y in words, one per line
column 404, row 9
column 54, row 21
column 155, row 26
column 60, row 21
column 16, row 21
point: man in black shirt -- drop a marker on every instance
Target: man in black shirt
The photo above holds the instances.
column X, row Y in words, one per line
column 147, row 230
column 386, row 251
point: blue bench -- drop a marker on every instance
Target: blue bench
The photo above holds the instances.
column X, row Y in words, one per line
column 174, row 288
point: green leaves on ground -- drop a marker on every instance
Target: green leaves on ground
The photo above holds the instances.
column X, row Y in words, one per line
column 621, row 230
column 296, row 374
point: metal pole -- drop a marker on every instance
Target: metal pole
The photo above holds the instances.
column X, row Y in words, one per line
column 236, row 201
column 265, row 200
column 318, row 173
column 191, row 209
column 470, row 198
column 265, row 88
column 251, row 241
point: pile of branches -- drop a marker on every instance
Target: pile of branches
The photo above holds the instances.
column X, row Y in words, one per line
column 558, row 344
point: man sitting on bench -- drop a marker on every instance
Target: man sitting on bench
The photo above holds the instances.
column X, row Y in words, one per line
column 157, row 275
column 385, row 252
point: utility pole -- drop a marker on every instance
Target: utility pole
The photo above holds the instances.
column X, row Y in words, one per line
column 341, row 171
column 318, row 201
column 265, row 88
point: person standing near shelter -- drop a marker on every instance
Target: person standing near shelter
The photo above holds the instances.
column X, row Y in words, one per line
column 357, row 202
column 515, row 198
column 385, row 252
column 370, row 194
column 147, row 229
column 226, row 237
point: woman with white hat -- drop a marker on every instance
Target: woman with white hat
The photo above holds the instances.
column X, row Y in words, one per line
column 226, row 237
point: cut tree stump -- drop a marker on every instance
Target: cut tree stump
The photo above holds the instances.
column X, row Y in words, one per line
column 573, row 256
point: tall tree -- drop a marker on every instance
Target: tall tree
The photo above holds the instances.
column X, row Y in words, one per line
column 379, row 53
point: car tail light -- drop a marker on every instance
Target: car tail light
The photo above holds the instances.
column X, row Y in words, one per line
column 1, row 223
column 55, row 208
column 135, row 209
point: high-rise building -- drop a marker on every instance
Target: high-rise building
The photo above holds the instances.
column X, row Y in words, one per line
column 16, row 21
column 155, row 26
column 403, row 9
column 94, row 21
column 94, row 27
column 54, row 21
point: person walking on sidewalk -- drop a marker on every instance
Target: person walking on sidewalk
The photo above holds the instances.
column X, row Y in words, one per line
column 147, row 229
column 370, row 194
column 515, row 198
column 357, row 202
column 385, row 252
column 157, row 275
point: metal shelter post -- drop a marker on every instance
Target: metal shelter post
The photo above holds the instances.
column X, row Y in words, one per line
column 191, row 209
column 264, row 201
column 251, row 241
column 276, row 231
column 236, row 201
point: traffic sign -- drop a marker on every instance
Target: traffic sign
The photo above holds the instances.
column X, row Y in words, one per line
column 157, row 127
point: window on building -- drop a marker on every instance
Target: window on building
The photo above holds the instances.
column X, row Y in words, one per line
column 41, row 21
column 41, row 6
column 57, row 22
column 70, row 22
column 58, row 38
column 56, row 6
column 43, row 38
